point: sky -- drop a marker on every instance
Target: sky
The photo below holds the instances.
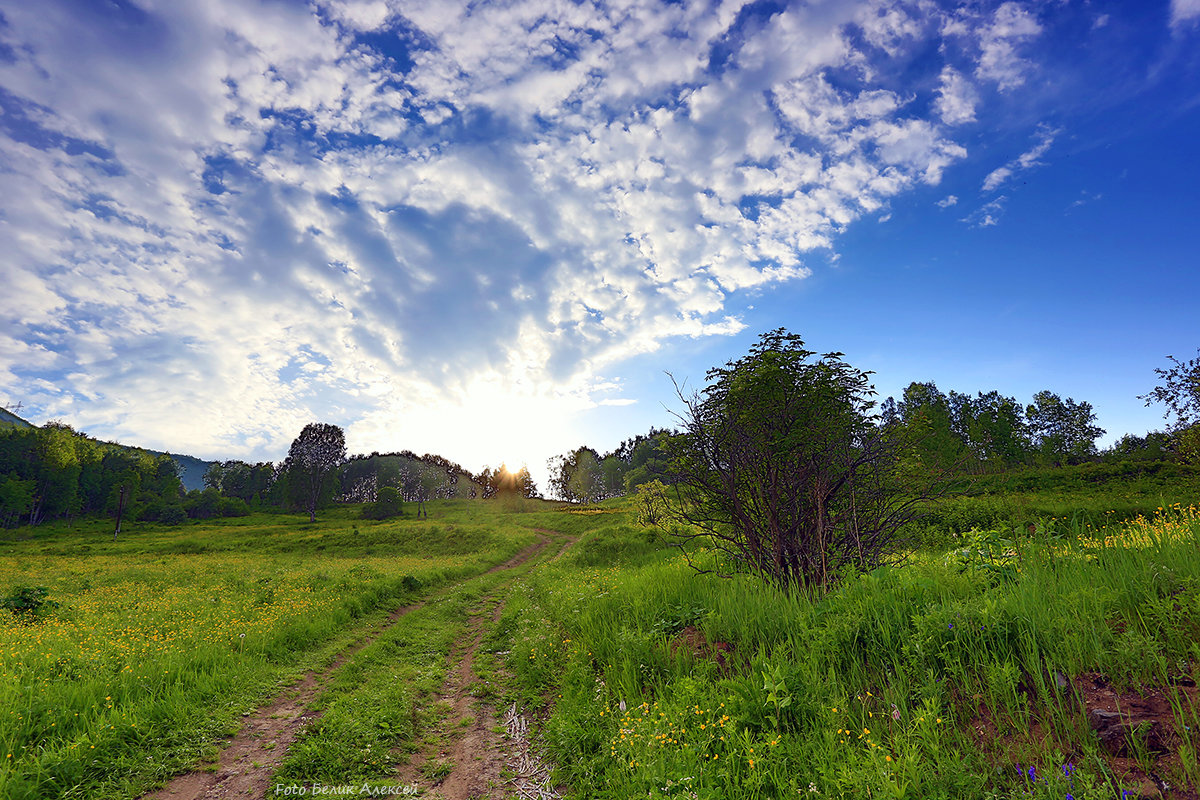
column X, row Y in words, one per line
column 497, row 230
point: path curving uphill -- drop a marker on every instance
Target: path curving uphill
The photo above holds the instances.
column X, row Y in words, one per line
column 251, row 758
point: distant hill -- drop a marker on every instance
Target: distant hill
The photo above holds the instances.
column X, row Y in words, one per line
column 7, row 418
column 191, row 469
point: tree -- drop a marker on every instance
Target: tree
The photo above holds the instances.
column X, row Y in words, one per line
column 926, row 414
column 781, row 466
column 1180, row 393
column 503, row 483
column 586, row 483
column 992, row 426
column 650, row 503
column 314, row 455
column 16, row 498
column 1154, row 446
column 388, row 504
column 577, row 477
column 648, row 459
column 1063, row 430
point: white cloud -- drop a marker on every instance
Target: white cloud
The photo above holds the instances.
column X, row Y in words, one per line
column 237, row 217
column 1030, row 158
column 947, row 201
column 996, row 177
column 988, row 215
column 1184, row 11
column 1000, row 41
column 956, row 98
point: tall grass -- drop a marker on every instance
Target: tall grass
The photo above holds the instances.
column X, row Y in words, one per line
column 933, row 680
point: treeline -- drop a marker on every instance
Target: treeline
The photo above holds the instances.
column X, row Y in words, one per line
column 585, row 476
column 949, row 433
column 384, row 481
column 990, row 431
column 55, row 472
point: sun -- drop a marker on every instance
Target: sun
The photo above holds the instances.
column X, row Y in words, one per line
column 488, row 423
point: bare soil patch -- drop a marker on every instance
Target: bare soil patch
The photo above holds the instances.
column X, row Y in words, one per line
column 1126, row 722
column 692, row 640
column 1137, row 732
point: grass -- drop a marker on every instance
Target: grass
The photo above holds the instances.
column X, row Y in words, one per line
column 1093, row 495
column 937, row 679
column 962, row 673
column 379, row 707
column 165, row 637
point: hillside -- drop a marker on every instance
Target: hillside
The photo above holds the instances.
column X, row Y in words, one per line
column 7, row 418
column 191, row 469
column 569, row 651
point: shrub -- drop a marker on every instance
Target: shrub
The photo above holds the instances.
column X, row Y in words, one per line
column 164, row 512
column 28, row 601
column 203, row 505
column 233, row 507
column 781, row 466
column 388, row 503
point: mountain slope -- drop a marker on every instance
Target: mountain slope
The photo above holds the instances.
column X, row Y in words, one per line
column 9, row 419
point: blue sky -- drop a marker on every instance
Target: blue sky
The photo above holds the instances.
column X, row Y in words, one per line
column 487, row 230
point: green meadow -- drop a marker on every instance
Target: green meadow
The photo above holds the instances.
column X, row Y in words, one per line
column 158, row 642
column 966, row 669
column 969, row 669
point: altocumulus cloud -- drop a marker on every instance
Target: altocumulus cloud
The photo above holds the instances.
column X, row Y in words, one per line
column 224, row 218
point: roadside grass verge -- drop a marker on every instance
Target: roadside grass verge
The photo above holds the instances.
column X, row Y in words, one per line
column 952, row 677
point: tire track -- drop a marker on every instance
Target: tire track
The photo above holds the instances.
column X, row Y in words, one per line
column 253, row 755
column 479, row 754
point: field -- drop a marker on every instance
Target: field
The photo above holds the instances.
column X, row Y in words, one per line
column 1049, row 650
column 164, row 638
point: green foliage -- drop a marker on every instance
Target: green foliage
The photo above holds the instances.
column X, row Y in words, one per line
column 311, row 463
column 505, row 483
column 16, row 500
column 577, row 477
column 209, row 504
column 613, row 545
column 1063, row 430
column 925, row 413
column 1179, row 391
column 988, row 432
column 1187, row 444
column 29, row 602
column 872, row 689
column 781, row 467
column 54, row 472
column 1094, row 495
column 990, row 553
column 165, row 512
column 239, row 479
column 585, row 476
column 779, row 699
column 650, row 503
column 144, row 667
column 388, row 504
